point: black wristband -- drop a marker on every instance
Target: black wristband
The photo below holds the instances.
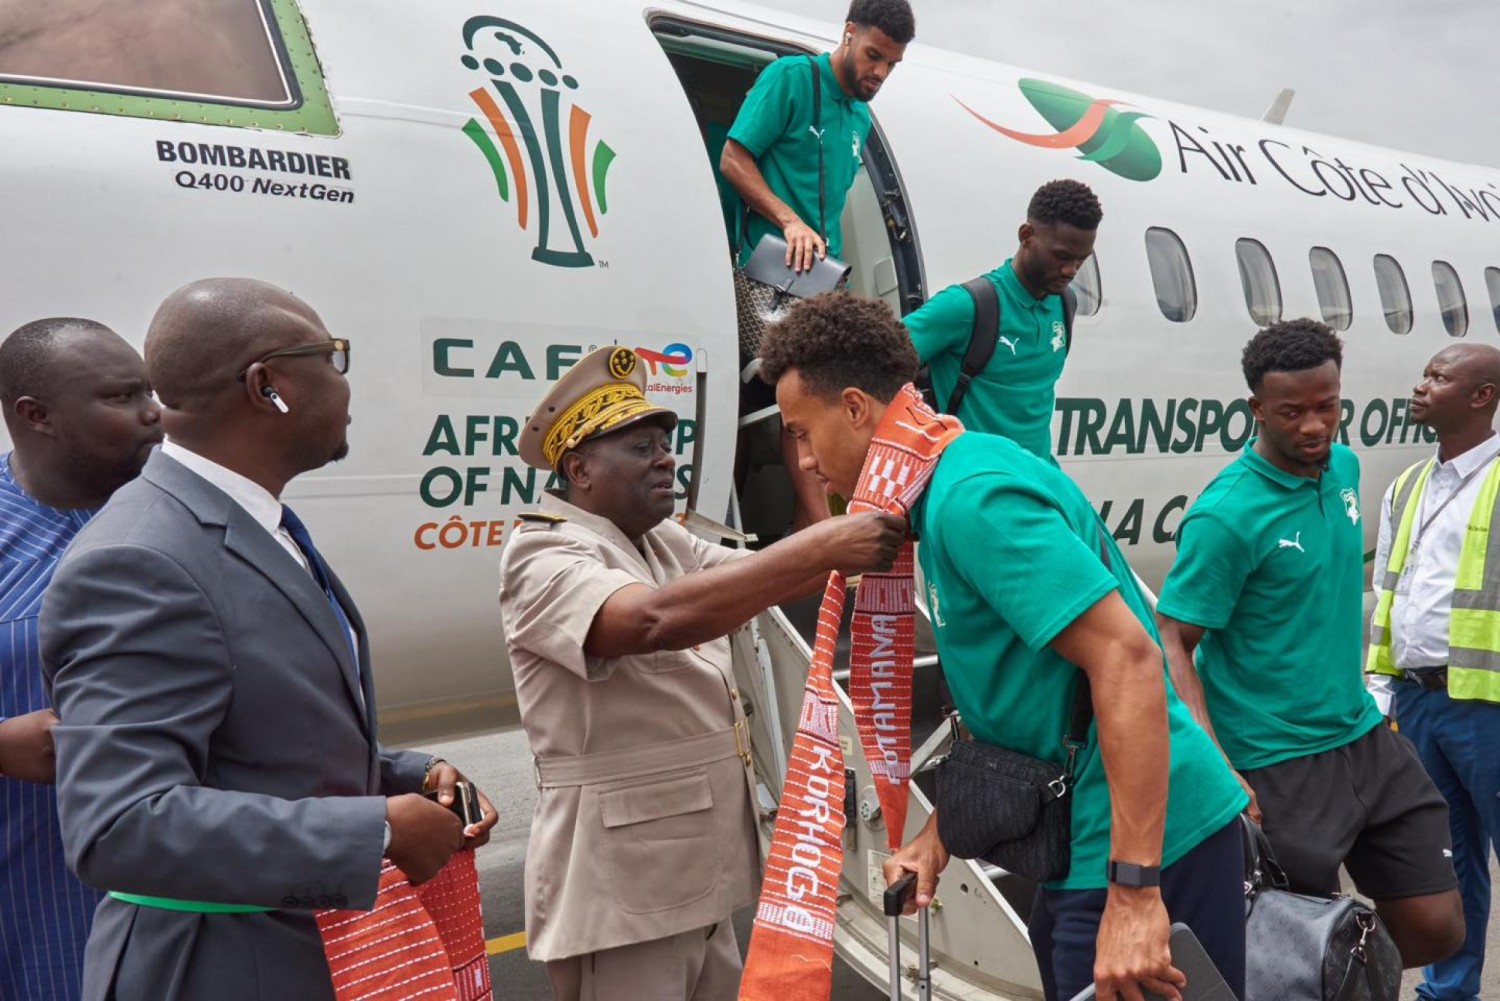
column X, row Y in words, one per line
column 1134, row 876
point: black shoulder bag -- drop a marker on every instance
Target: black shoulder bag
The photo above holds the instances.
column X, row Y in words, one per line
column 763, row 286
column 1008, row 808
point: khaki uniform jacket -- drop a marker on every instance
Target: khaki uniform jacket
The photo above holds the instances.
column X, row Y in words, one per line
column 638, row 844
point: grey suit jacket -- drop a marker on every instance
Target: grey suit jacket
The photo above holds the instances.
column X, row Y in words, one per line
column 212, row 746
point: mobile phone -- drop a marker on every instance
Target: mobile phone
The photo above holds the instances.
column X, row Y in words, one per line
column 465, row 803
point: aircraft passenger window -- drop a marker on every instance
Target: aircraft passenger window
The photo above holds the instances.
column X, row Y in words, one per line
column 1492, row 281
column 1395, row 294
column 222, row 62
column 1086, row 287
column 1171, row 275
column 1450, row 293
column 1332, row 286
column 1258, row 278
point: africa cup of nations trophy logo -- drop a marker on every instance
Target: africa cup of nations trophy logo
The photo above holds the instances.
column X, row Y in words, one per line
column 556, row 173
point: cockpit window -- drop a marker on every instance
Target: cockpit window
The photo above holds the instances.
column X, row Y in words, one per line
column 220, row 62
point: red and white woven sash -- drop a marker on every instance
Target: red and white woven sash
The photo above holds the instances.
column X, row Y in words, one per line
column 791, row 946
column 422, row 942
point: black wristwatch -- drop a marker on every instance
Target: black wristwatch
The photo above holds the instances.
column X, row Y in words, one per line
column 1134, row 876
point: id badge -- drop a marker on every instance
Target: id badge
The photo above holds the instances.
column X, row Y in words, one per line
column 1403, row 582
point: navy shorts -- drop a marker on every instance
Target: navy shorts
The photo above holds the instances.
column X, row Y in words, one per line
column 1204, row 890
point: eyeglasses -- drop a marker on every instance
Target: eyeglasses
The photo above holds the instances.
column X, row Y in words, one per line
column 337, row 350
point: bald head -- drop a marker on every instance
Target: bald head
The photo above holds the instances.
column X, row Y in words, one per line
column 1459, row 390
column 1474, row 365
column 32, row 356
column 205, row 334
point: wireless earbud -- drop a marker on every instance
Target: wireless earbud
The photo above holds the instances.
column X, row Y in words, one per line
column 276, row 401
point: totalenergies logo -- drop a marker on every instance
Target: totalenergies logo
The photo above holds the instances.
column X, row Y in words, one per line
column 1096, row 128
column 673, row 361
column 528, row 77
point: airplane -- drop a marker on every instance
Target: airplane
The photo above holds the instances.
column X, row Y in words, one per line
column 478, row 198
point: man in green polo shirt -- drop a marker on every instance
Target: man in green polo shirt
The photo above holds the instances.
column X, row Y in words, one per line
column 771, row 160
column 1026, row 589
column 1268, row 591
column 771, row 156
column 1014, row 394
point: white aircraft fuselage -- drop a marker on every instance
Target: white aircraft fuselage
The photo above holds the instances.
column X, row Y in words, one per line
column 477, row 200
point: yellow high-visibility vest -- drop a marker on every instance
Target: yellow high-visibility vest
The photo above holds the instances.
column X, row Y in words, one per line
column 1474, row 623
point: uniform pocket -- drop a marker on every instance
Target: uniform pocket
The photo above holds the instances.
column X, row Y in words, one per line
column 660, row 842
column 704, row 655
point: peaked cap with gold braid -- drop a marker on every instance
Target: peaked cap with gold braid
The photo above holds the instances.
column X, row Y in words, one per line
column 604, row 392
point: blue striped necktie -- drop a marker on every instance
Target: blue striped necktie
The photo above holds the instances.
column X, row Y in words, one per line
column 300, row 536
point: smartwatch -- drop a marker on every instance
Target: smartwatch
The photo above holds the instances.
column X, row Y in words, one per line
column 1134, row 876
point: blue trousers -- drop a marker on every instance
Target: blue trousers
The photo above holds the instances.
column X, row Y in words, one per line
column 1204, row 890
column 1460, row 746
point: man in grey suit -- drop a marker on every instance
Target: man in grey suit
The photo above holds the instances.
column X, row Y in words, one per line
column 218, row 768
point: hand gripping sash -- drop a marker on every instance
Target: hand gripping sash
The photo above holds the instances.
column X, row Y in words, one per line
column 791, row 946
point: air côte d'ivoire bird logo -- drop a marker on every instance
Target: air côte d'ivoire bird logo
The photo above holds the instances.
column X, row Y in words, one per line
column 1100, row 132
column 537, row 168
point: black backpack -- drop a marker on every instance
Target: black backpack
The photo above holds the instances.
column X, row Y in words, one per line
column 984, row 337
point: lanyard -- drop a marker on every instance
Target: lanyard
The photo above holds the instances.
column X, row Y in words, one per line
column 1416, row 540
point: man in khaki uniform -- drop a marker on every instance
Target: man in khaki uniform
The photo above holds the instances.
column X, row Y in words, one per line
column 616, row 620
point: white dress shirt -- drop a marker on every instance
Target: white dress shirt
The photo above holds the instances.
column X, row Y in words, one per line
column 254, row 498
column 1424, row 595
column 258, row 504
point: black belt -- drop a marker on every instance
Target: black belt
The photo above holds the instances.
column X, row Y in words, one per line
column 1432, row 679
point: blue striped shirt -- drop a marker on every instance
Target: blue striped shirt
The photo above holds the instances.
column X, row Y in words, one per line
column 45, row 912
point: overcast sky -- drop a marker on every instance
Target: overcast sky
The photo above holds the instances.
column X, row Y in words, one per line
column 1419, row 75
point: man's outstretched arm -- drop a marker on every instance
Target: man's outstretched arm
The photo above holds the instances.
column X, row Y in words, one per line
column 708, row 604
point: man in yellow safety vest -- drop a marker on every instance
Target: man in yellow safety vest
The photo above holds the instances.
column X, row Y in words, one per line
column 1435, row 635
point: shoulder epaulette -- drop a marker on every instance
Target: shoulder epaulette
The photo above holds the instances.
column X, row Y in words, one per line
column 542, row 516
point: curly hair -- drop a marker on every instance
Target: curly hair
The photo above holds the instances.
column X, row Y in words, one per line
column 836, row 340
column 1065, row 201
column 1290, row 346
column 893, row 17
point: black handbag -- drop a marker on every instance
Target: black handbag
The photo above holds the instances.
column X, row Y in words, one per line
column 1008, row 808
column 765, row 286
column 1301, row 948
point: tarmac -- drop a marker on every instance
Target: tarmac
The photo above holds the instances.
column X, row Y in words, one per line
column 500, row 764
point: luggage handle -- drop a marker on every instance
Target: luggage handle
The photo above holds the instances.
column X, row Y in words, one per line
column 896, row 897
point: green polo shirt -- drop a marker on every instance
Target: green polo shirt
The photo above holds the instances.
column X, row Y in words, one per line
column 1271, row 565
column 776, row 125
column 1015, row 393
column 1011, row 555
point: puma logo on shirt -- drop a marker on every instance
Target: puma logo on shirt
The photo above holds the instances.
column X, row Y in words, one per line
column 1295, row 543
